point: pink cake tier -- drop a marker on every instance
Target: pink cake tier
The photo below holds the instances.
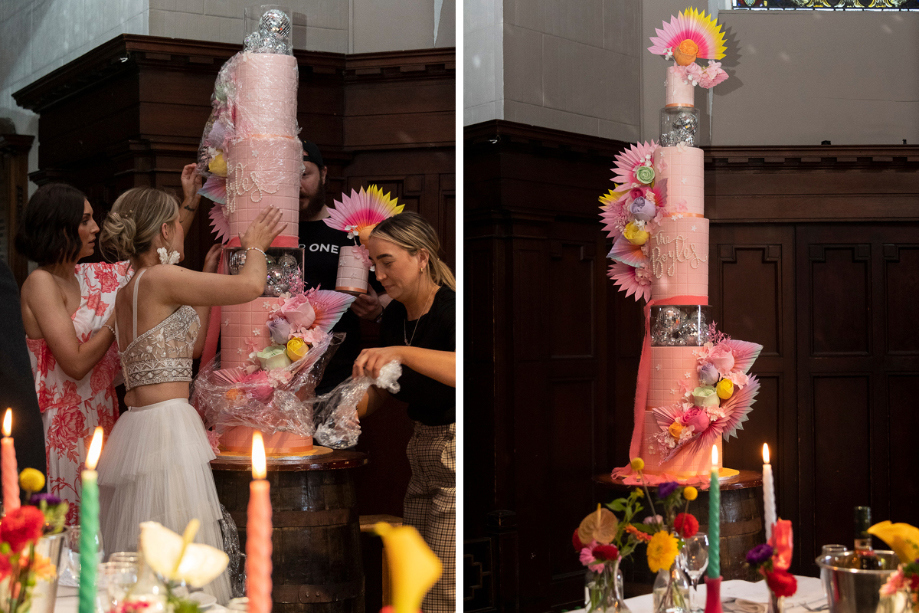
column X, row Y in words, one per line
column 264, row 171
column 684, row 465
column 682, row 167
column 241, row 324
column 238, row 441
column 679, row 92
column 266, row 103
column 353, row 271
column 679, row 258
column 671, row 366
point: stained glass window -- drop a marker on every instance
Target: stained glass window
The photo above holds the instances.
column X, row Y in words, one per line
column 834, row 5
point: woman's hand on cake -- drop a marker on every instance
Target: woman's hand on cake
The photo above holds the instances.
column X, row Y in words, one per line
column 264, row 229
column 212, row 259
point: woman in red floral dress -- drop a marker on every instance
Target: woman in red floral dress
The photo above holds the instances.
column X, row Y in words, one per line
column 68, row 314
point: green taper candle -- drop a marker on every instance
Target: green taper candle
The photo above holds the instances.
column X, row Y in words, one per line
column 714, row 520
column 89, row 527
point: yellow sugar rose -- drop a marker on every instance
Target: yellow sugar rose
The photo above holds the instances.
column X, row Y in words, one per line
column 675, row 429
column 635, row 235
column 218, row 165
column 725, row 389
column 296, row 349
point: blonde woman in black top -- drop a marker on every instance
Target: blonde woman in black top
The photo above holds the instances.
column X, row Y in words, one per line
column 418, row 330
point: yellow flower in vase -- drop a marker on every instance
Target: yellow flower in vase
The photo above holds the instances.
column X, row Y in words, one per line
column 662, row 551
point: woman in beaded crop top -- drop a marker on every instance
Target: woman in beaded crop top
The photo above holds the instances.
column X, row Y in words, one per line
column 155, row 463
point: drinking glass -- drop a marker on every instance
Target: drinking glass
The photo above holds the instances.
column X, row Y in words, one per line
column 694, row 559
column 70, row 562
column 115, row 580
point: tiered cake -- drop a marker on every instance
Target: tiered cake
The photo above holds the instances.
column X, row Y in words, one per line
column 253, row 157
column 693, row 388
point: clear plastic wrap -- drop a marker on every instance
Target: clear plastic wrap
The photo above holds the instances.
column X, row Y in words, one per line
column 270, row 401
column 331, row 419
column 336, row 412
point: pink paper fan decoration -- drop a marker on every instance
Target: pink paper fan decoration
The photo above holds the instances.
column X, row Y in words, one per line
column 627, row 253
column 215, row 189
column 630, row 159
column 220, row 223
column 613, row 213
column 631, row 280
column 329, row 307
column 361, row 210
column 694, row 25
column 744, row 353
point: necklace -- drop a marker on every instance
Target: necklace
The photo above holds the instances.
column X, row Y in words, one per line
column 428, row 304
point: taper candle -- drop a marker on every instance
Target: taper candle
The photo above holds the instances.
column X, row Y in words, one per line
column 714, row 520
column 768, row 493
column 10, row 470
column 89, row 526
column 258, row 533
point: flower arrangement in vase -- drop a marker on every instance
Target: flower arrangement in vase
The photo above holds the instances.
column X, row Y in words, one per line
column 604, row 539
column 28, row 570
column 772, row 561
column 904, row 583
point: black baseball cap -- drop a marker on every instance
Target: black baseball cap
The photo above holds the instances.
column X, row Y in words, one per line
column 311, row 154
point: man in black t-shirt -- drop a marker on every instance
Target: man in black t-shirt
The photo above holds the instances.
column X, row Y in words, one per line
column 321, row 244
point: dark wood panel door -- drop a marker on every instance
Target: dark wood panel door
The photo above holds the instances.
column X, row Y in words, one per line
column 858, row 366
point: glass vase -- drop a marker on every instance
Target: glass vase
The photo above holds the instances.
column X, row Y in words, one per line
column 44, row 593
column 671, row 591
column 603, row 590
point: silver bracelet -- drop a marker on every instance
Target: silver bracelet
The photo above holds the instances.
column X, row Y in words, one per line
column 248, row 249
column 110, row 328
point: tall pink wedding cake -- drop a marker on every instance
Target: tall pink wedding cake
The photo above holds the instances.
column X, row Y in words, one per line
column 254, row 159
column 693, row 390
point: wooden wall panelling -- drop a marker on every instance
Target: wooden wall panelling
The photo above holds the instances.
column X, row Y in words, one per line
column 752, row 293
column 537, row 287
column 14, row 166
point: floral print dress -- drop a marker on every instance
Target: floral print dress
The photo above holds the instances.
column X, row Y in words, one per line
column 71, row 409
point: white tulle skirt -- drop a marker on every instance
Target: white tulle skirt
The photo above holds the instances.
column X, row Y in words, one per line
column 155, row 468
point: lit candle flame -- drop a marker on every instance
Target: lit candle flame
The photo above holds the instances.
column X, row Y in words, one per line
column 258, row 456
column 95, row 449
column 765, row 453
column 8, row 422
column 714, row 455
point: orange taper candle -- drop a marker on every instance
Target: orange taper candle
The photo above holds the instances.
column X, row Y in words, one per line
column 258, row 533
column 8, row 466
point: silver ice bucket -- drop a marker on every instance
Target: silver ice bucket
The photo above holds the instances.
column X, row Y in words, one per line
column 852, row 590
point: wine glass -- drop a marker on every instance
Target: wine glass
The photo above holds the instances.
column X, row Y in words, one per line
column 70, row 564
column 694, row 559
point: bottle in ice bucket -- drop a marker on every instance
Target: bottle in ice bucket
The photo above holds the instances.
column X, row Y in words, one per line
column 865, row 558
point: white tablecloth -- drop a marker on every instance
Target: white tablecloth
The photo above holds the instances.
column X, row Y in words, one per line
column 745, row 597
column 68, row 601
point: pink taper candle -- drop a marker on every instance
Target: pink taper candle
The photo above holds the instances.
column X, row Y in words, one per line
column 258, row 533
column 8, row 466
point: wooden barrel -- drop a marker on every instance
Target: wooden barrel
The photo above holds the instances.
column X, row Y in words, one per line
column 316, row 544
column 742, row 525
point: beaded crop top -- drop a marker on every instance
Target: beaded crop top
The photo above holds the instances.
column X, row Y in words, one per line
column 163, row 353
